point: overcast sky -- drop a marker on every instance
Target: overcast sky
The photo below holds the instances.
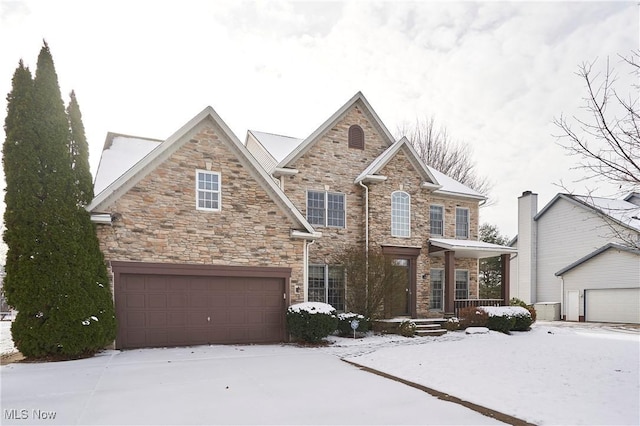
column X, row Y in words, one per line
column 495, row 74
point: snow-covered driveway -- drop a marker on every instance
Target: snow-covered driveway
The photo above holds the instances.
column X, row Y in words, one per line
column 216, row 385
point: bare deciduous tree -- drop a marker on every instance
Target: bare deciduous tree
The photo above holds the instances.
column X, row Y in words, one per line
column 437, row 149
column 608, row 141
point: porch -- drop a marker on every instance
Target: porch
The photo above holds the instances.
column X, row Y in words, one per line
column 451, row 250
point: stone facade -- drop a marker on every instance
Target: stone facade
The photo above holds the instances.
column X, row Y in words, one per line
column 157, row 220
column 330, row 165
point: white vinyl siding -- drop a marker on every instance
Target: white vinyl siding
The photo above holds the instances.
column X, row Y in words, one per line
column 611, row 269
column 565, row 233
column 400, row 214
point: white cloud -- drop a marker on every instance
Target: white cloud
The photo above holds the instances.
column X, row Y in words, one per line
column 494, row 73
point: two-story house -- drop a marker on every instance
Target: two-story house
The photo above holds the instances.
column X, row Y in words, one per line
column 580, row 255
column 209, row 239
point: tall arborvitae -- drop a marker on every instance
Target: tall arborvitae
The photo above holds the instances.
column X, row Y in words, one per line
column 23, row 190
column 79, row 153
column 59, row 286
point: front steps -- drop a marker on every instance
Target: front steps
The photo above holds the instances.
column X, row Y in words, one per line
column 424, row 326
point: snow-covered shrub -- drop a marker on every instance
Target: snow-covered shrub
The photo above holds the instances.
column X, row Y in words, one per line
column 311, row 321
column 517, row 302
column 407, row 328
column 472, row 316
column 344, row 323
column 508, row 318
column 452, row 324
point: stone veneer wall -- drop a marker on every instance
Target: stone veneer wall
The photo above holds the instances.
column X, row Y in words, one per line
column 332, row 166
column 158, row 220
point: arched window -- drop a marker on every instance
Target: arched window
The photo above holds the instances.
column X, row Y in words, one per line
column 356, row 137
column 400, row 214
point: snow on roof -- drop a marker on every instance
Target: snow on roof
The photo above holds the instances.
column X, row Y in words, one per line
column 120, row 153
column 623, row 211
column 278, row 146
column 452, row 186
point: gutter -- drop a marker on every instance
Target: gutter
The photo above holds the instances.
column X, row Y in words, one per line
column 102, row 218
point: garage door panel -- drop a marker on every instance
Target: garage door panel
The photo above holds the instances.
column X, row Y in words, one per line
column 613, row 305
column 171, row 310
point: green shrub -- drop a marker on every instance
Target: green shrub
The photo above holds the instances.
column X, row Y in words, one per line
column 508, row 318
column 472, row 316
column 312, row 321
column 407, row 328
column 452, row 324
column 344, row 323
column 503, row 324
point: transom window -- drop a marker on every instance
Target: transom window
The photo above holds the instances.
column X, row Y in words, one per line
column 400, row 214
column 437, row 289
column 436, row 220
column 462, row 222
column 356, row 137
column 326, row 284
column 462, row 284
column 207, row 190
column 326, row 209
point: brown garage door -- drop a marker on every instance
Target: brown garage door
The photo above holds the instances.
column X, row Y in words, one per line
column 180, row 305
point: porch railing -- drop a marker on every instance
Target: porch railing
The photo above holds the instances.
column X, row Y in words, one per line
column 465, row 303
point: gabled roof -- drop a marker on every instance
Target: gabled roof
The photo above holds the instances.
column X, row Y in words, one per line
column 383, row 159
column 622, row 211
column 596, row 253
column 119, row 153
column 331, row 121
column 146, row 160
column 269, row 149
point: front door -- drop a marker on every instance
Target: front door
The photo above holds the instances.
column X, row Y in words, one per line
column 402, row 291
column 573, row 305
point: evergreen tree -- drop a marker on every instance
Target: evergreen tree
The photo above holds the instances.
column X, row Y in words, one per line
column 490, row 268
column 59, row 282
column 79, row 149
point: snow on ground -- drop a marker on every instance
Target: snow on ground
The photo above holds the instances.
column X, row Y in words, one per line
column 550, row 375
column 6, row 344
column 558, row 373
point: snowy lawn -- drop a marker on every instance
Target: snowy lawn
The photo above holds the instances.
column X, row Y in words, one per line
column 558, row 373
column 551, row 375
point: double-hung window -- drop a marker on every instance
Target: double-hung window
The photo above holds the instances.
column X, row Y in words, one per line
column 400, row 214
column 437, row 289
column 327, row 285
column 462, row 284
column 326, row 209
column 436, row 220
column 462, row 223
column 207, row 190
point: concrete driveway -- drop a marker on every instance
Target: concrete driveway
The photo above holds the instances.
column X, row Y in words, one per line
column 273, row 384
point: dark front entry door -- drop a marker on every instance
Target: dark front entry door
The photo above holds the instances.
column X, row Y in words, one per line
column 402, row 291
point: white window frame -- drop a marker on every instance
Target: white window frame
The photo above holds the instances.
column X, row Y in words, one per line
column 455, row 280
column 217, row 193
column 441, row 207
column 431, row 274
column 401, row 217
column 325, row 218
column 468, row 223
column 326, row 272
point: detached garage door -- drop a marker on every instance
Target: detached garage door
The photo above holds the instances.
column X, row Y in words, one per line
column 179, row 305
column 613, row 305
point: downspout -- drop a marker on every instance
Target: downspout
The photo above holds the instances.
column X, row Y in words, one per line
column 366, row 241
column 305, row 273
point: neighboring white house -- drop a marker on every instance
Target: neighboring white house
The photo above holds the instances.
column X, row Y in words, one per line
column 579, row 254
